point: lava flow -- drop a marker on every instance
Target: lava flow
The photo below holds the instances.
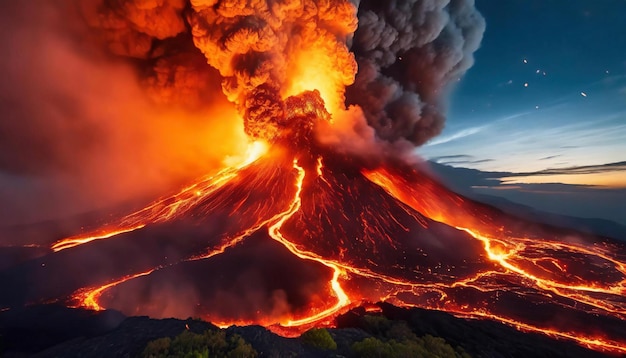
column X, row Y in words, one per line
column 303, row 229
column 384, row 233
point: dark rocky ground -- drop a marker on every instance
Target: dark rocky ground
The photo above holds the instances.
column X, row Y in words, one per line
column 56, row 331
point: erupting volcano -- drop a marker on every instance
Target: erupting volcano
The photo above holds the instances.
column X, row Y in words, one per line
column 372, row 233
column 324, row 213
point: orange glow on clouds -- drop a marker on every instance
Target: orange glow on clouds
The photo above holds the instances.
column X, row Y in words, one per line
column 611, row 179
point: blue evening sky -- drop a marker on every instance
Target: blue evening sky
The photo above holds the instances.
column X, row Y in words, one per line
column 548, row 89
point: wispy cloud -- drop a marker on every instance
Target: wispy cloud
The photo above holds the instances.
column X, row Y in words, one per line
column 603, row 175
column 587, row 169
column 445, row 158
column 458, row 159
column 475, row 130
column 458, row 135
column 465, row 162
column 551, row 157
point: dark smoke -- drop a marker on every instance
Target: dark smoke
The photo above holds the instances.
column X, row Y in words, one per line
column 409, row 53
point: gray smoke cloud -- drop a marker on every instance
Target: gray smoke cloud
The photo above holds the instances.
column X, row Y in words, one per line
column 410, row 53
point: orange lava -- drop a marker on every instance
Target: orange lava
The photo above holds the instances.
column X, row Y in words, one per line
column 514, row 251
column 168, row 208
column 79, row 240
column 88, row 298
column 536, row 260
column 504, row 256
column 274, row 230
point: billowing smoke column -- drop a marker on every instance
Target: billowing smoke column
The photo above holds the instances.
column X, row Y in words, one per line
column 258, row 47
column 256, row 44
column 408, row 52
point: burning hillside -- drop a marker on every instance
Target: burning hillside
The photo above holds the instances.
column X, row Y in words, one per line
column 321, row 216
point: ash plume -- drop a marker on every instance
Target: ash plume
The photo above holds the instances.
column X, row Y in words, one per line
column 409, row 54
column 254, row 45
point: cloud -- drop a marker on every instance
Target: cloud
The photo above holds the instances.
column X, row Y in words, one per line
column 479, row 161
column 444, row 158
column 480, row 178
column 467, row 132
column 577, row 200
column 458, row 159
column 550, row 157
column 458, row 135
column 587, row 169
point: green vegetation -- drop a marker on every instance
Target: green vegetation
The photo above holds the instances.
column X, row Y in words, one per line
column 396, row 339
column 427, row 347
column 319, row 338
column 193, row 345
column 387, row 339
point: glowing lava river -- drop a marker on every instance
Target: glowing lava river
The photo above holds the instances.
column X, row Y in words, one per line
column 291, row 241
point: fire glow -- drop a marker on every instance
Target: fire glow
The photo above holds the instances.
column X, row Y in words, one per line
column 371, row 231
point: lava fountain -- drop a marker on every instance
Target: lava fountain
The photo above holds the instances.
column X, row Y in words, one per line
column 302, row 229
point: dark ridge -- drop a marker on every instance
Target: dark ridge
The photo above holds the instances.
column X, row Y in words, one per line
column 55, row 331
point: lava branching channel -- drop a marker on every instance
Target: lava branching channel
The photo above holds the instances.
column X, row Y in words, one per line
column 290, row 240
